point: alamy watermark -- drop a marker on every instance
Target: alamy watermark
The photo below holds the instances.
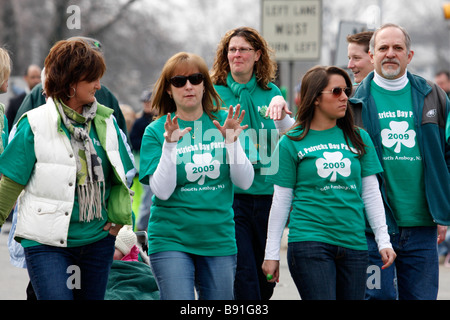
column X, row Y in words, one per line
column 74, row 280
column 259, row 145
column 74, row 19
column 374, row 277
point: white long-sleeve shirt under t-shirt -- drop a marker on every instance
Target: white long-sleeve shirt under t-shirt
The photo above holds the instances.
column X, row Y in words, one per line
column 164, row 180
column 281, row 205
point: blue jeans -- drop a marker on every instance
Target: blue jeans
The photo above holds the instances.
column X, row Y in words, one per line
column 416, row 266
column 178, row 273
column 322, row 271
column 251, row 217
column 77, row 273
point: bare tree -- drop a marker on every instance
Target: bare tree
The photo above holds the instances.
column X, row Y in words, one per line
column 134, row 45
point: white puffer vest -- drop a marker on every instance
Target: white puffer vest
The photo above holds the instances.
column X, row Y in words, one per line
column 45, row 205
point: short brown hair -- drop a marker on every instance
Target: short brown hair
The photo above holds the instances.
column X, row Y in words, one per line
column 69, row 62
column 362, row 38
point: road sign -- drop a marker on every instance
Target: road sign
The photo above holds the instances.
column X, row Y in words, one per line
column 293, row 28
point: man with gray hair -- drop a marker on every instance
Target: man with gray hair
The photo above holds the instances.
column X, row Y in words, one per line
column 405, row 115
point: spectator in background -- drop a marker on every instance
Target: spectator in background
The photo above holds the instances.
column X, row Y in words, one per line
column 442, row 79
column 136, row 134
column 142, row 122
column 32, row 77
column 359, row 60
column 129, row 115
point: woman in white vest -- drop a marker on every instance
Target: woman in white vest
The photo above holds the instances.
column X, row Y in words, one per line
column 66, row 164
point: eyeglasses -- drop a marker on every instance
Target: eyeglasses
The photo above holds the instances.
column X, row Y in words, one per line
column 241, row 50
column 338, row 91
column 180, row 81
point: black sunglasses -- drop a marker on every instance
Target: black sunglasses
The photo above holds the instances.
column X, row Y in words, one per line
column 180, row 81
column 338, row 91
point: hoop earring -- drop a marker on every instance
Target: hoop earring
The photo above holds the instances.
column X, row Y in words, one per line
column 74, row 92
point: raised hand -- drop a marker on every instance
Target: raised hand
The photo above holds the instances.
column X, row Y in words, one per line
column 173, row 132
column 232, row 128
column 278, row 108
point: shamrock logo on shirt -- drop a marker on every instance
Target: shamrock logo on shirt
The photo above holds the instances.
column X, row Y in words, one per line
column 398, row 135
column 203, row 166
column 262, row 112
column 332, row 164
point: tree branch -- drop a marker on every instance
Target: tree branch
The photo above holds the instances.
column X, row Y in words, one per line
column 97, row 31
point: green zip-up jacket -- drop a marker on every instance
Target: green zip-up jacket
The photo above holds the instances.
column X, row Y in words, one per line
column 431, row 108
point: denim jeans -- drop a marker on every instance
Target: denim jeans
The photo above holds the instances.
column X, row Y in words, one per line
column 76, row 273
column 322, row 271
column 381, row 284
column 251, row 217
column 178, row 273
column 416, row 265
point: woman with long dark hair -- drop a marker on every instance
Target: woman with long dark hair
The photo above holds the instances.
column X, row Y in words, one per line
column 327, row 175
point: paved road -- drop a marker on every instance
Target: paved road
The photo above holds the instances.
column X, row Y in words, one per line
column 13, row 280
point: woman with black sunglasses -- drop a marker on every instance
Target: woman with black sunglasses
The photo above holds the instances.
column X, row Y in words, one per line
column 191, row 157
column 328, row 177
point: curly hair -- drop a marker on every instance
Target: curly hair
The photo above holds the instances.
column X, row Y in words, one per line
column 69, row 62
column 178, row 64
column 265, row 68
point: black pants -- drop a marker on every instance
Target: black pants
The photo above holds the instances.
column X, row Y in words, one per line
column 251, row 216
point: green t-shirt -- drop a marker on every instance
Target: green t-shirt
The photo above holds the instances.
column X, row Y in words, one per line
column 17, row 163
column 326, row 178
column 198, row 216
column 402, row 161
column 266, row 139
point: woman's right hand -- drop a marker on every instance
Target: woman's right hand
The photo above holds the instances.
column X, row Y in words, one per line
column 388, row 256
column 278, row 109
column 232, row 128
column 173, row 132
column 271, row 267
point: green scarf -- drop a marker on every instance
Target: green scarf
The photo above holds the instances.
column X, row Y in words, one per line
column 90, row 178
column 244, row 94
